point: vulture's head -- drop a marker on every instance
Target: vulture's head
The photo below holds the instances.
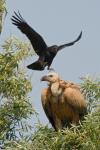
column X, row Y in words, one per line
column 51, row 77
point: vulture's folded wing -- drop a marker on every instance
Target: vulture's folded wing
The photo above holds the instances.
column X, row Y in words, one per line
column 75, row 99
column 46, row 106
column 36, row 40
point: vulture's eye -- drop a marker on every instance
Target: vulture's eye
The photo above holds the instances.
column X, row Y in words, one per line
column 50, row 75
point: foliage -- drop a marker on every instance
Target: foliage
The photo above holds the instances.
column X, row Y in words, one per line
column 14, row 88
column 15, row 106
column 3, row 13
column 82, row 137
column 91, row 89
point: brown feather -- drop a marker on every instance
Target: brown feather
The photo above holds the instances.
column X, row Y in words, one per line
column 67, row 107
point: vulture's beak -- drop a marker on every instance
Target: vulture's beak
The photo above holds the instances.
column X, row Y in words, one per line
column 44, row 78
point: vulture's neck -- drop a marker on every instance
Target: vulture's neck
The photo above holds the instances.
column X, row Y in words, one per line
column 55, row 88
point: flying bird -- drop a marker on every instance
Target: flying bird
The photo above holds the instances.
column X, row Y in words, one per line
column 46, row 54
column 62, row 102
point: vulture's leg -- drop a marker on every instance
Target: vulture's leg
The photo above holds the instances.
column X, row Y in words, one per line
column 58, row 123
column 75, row 119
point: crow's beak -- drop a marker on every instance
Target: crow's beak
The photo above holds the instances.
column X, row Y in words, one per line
column 44, row 78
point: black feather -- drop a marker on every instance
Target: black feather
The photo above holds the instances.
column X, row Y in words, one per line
column 46, row 54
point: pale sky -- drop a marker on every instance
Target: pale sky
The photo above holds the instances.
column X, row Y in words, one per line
column 60, row 22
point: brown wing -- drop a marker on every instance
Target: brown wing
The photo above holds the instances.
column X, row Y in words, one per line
column 37, row 41
column 47, row 107
column 66, row 84
column 75, row 99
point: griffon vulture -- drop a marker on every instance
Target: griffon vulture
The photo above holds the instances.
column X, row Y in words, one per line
column 46, row 54
column 62, row 102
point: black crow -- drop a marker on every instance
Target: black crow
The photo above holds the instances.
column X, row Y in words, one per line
column 46, row 54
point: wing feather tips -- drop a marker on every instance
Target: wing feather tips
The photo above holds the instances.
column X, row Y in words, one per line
column 18, row 15
column 79, row 37
column 17, row 19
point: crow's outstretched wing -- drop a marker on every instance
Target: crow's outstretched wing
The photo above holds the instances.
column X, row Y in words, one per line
column 71, row 43
column 36, row 40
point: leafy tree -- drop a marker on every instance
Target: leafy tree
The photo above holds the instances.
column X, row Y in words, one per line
column 91, row 89
column 15, row 105
column 3, row 13
column 16, row 108
column 82, row 137
column 14, row 88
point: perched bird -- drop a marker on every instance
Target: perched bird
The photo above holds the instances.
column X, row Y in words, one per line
column 62, row 102
column 46, row 54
